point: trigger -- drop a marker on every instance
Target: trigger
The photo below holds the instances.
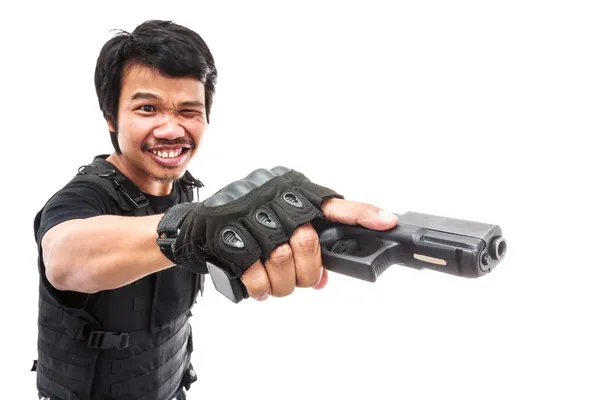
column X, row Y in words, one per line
column 345, row 246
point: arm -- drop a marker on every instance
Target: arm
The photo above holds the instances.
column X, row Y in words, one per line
column 102, row 252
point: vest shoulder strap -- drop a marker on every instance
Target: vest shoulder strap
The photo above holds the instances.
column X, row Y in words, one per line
column 118, row 186
column 127, row 195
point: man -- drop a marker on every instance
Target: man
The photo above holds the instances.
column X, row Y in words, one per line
column 114, row 300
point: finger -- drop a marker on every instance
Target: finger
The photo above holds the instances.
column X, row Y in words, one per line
column 257, row 282
column 307, row 256
column 323, row 281
column 356, row 213
column 281, row 271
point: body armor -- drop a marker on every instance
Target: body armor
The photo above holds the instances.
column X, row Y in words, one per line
column 130, row 343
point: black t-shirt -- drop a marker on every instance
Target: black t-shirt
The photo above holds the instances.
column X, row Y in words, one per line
column 82, row 199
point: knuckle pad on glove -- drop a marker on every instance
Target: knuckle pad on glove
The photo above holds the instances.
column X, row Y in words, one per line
column 293, row 209
column 265, row 227
column 315, row 193
column 235, row 245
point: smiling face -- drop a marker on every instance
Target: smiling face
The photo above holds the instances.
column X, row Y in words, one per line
column 160, row 123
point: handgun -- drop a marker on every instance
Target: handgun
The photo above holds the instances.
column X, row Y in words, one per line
column 422, row 241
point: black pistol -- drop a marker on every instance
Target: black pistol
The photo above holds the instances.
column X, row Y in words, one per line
column 453, row 246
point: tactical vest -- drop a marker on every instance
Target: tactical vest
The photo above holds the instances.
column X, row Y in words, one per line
column 132, row 342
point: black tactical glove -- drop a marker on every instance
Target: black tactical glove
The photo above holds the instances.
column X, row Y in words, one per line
column 243, row 222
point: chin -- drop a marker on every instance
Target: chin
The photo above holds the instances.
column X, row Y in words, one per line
column 165, row 177
column 162, row 174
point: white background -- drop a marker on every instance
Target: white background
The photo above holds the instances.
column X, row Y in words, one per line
column 478, row 110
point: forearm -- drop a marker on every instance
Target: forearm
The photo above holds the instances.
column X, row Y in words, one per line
column 104, row 252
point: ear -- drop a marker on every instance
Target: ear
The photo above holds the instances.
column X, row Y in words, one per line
column 111, row 127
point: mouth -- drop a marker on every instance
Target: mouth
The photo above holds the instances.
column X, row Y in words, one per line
column 169, row 156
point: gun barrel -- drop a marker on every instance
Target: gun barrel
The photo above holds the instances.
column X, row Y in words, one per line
column 476, row 247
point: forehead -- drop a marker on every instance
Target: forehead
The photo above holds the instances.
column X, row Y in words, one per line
column 140, row 78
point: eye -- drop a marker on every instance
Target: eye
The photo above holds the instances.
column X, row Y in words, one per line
column 191, row 113
column 147, row 108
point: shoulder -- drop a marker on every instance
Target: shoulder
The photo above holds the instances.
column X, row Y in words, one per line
column 84, row 196
column 85, row 190
column 90, row 183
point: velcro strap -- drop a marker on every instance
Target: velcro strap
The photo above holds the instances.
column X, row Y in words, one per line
column 171, row 221
column 168, row 228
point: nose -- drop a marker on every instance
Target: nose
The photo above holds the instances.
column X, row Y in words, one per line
column 170, row 129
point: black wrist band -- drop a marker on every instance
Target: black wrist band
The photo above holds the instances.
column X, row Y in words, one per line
column 168, row 228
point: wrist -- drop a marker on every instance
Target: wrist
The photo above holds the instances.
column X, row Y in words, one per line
column 168, row 229
column 154, row 237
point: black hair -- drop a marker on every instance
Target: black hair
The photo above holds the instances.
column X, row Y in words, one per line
column 174, row 50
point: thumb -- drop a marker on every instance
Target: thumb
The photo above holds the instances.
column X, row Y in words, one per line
column 355, row 213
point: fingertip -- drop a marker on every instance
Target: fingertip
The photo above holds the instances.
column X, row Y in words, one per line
column 387, row 218
column 264, row 296
column 323, row 281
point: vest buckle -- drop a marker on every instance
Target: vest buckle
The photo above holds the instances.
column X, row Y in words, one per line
column 96, row 170
column 108, row 340
column 189, row 377
column 131, row 193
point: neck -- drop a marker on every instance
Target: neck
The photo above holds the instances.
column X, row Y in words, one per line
column 143, row 181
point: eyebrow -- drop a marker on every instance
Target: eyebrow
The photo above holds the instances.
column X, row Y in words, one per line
column 152, row 96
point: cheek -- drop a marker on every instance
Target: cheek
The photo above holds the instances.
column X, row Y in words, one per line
column 194, row 128
column 136, row 130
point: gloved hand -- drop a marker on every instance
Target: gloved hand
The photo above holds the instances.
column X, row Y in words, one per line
column 243, row 222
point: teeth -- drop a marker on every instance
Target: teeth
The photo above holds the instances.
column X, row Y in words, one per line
column 167, row 154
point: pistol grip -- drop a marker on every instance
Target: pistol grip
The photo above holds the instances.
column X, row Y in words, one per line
column 226, row 284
